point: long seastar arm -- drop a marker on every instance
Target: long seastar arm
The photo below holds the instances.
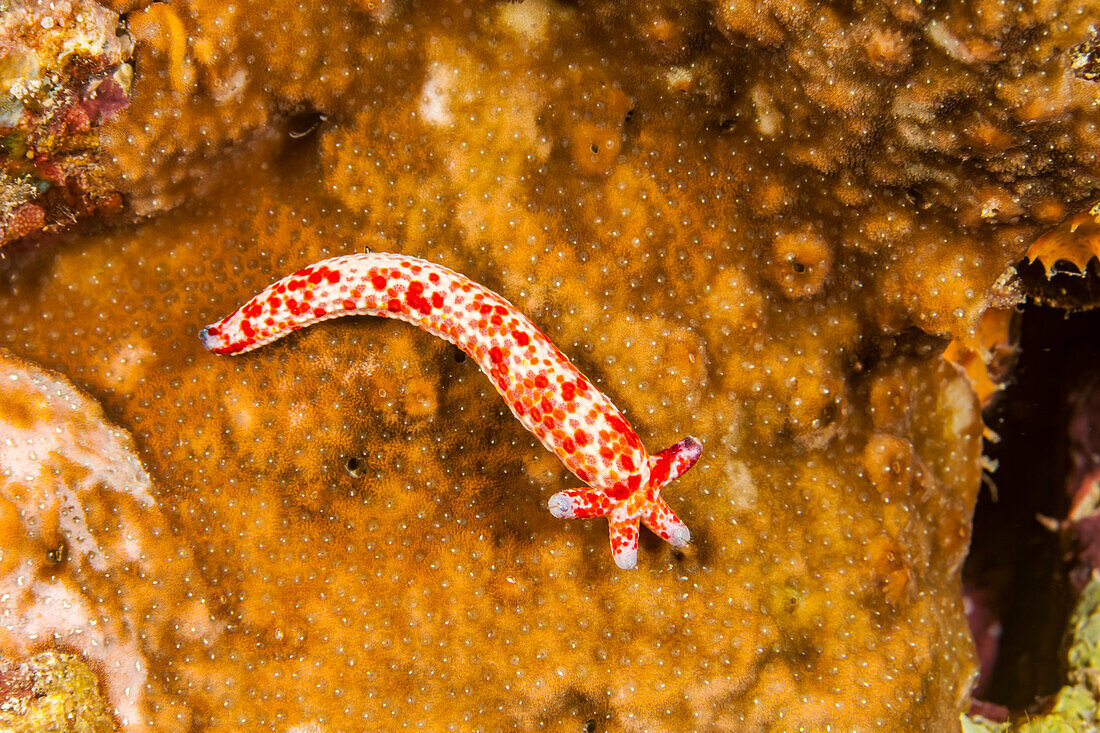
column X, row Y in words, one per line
column 543, row 389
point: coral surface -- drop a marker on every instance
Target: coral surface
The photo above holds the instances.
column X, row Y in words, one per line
column 88, row 562
column 757, row 223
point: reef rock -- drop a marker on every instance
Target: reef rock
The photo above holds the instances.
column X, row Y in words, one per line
column 63, row 71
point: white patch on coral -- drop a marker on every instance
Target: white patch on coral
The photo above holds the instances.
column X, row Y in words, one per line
column 679, row 78
column 741, row 487
column 232, row 88
column 958, row 400
column 435, row 97
column 528, row 20
column 768, row 117
column 948, row 42
column 82, row 546
column 310, row 727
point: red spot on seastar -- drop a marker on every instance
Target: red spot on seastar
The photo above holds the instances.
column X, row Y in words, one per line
column 378, row 281
column 568, row 391
column 319, row 312
column 433, row 276
column 619, row 492
column 252, row 309
column 393, row 305
column 437, row 299
column 541, row 381
column 521, row 338
column 581, row 437
column 496, row 355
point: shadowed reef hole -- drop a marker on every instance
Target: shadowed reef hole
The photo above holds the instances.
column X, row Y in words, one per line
column 1016, row 572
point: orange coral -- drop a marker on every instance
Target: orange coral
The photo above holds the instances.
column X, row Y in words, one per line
column 311, row 558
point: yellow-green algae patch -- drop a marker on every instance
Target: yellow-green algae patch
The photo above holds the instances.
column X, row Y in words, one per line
column 52, row 691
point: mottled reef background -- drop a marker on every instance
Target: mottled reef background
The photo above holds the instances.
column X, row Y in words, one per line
column 761, row 223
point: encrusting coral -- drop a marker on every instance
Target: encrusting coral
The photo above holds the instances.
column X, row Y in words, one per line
column 1076, row 241
column 730, row 219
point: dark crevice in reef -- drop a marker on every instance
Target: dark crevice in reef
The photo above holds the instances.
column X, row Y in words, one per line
column 1017, row 569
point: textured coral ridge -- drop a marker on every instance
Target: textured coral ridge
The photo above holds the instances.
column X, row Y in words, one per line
column 541, row 386
column 730, row 219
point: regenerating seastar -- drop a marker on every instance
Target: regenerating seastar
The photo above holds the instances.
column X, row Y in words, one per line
column 548, row 395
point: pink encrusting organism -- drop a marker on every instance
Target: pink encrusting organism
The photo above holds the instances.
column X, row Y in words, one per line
column 543, row 389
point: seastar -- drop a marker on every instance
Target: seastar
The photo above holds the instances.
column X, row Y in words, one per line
column 549, row 395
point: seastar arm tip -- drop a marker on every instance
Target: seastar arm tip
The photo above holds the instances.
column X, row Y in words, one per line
column 644, row 505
